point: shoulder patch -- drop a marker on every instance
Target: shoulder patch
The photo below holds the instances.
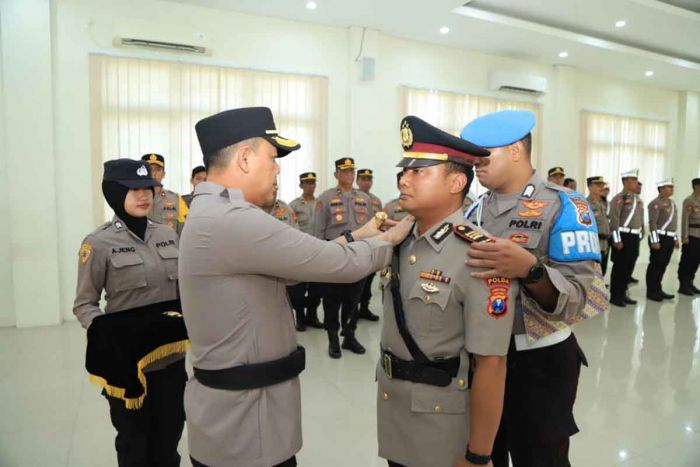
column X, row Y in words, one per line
column 574, row 236
column 470, row 235
column 84, row 253
column 497, row 306
column 442, row 233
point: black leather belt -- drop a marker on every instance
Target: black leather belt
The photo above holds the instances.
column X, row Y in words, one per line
column 436, row 373
column 257, row 375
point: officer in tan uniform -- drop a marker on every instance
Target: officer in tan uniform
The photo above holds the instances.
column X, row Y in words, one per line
column 599, row 208
column 307, row 292
column 663, row 238
column 548, row 241
column 339, row 210
column 281, row 210
column 243, row 404
column 168, row 207
column 393, row 208
column 690, row 238
column 437, row 316
column 556, row 175
column 626, row 217
column 199, row 175
column 134, row 261
column 365, row 180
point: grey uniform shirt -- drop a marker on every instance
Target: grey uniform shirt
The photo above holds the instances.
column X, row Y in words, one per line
column 527, row 218
column 626, row 212
column 132, row 272
column 690, row 224
column 663, row 219
column 418, row 424
column 169, row 209
column 235, row 261
column 375, row 204
column 304, row 210
column 599, row 209
column 337, row 212
column 394, row 210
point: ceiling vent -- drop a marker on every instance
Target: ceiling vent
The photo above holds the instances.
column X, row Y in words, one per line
column 519, row 83
column 171, row 46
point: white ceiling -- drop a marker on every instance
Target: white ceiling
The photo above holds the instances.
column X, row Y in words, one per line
column 659, row 35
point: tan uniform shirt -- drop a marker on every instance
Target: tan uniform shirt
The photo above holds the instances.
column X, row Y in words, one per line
column 376, row 204
column 599, row 209
column 132, row 272
column 468, row 202
column 626, row 215
column 394, row 210
column 422, row 425
column 663, row 219
column 527, row 218
column 337, row 212
column 691, row 217
column 235, row 261
column 283, row 213
column 170, row 209
column 304, row 210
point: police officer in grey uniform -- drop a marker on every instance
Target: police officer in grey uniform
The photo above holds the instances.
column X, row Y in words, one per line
column 134, row 261
column 339, row 210
column 548, row 240
column 168, row 207
column 393, row 208
column 626, row 217
column 663, row 238
column 599, row 208
column 307, row 292
column 243, row 404
column 365, row 180
column 690, row 237
column 199, row 175
column 437, row 315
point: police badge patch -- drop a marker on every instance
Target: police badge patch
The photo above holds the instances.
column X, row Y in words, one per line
column 84, row 253
column 498, row 296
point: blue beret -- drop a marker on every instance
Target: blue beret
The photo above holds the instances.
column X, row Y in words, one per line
column 499, row 129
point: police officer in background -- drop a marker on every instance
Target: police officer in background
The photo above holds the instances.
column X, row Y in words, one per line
column 134, row 261
column 243, row 404
column 599, row 207
column 663, row 238
column 393, row 208
column 308, row 292
column 690, row 236
column 199, row 175
column 168, row 207
column 436, row 314
column 556, row 175
column 365, row 180
column 626, row 217
column 340, row 210
column 570, row 183
column 547, row 239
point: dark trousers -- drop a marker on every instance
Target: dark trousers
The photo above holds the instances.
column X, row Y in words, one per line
column 623, row 265
column 366, row 294
column 305, row 299
column 291, row 462
column 394, row 464
column 604, row 257
column 690, row 259
column 345, row 297
column 658, row 261
column 148, row 437
column 538, row 417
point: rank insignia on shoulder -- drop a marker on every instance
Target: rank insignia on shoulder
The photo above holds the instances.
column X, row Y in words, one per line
column 429, row 287
column 84, row 253
column 498, row 296
column 470, row 235
column 442, row 233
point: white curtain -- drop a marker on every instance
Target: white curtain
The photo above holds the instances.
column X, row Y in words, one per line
column 142, row 106
column 614, row 144
column 451, row 112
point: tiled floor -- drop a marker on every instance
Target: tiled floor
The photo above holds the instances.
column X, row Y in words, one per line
column 638, row 402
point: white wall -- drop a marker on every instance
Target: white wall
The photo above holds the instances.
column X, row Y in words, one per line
column 362, row 121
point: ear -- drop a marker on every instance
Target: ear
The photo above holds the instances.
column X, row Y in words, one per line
column 335, row 174
column 458, row 182
column 242, row 158
column 516, row 151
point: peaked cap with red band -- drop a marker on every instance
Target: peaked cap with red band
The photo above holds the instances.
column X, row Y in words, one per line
column 425, row 145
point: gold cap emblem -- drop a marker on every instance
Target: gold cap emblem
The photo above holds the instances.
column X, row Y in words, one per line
column 406, row 135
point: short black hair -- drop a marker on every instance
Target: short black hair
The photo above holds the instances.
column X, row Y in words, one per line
column 452, row 167
column 220, row 158
column 568, row 180
column 527, row 143
column 198, row 169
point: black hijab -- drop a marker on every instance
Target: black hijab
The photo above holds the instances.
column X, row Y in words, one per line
column 115, row 194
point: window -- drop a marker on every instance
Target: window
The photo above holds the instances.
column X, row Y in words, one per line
column 143, row 106
column 451, row 112
column 614, row 144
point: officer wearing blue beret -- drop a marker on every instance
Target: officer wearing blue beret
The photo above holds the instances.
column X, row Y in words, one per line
column 548, row 240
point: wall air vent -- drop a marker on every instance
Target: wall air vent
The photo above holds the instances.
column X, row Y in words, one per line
column 172, row 46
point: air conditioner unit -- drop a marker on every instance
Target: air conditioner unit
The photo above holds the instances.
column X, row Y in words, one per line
column 520, row 83
column 172, row 46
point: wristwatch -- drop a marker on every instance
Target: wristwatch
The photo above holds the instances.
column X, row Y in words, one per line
column 535, row 273
column 477, row 459
column 348, row 236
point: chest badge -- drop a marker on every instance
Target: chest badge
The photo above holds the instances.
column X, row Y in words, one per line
column 429, row 287
column 442, row 233
column 535, row 204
